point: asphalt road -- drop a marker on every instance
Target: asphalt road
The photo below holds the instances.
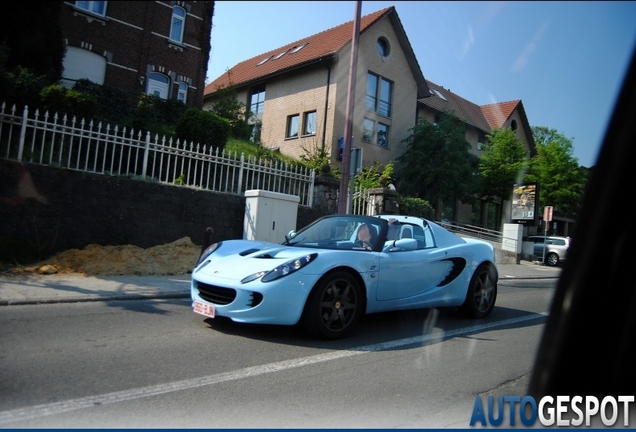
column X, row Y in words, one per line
column 154, row 363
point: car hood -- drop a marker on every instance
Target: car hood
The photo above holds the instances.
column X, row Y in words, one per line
column 235, row 259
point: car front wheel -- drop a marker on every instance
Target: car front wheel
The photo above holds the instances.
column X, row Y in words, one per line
column 552, row 259
column 482, row 293
column 334, row 306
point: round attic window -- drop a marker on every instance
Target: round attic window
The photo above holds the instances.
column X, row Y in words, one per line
column 383, row 47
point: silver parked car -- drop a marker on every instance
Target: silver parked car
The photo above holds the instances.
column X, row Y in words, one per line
column 554, row 248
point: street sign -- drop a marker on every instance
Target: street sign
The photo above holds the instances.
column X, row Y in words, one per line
column 547, row 213
column 355, row 161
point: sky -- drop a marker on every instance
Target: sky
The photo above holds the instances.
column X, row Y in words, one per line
column 564, row 60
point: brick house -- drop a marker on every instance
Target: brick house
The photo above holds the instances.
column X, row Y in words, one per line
column 298, row 95
column 479, row 122
column 298, row 92
column 153, row 47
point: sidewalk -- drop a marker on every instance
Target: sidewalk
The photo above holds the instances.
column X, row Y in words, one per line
column 24, row 289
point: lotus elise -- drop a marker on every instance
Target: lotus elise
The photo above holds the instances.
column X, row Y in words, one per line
column 330, row 273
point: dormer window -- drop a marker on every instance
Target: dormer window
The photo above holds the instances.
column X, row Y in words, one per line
column 297, row 48
column 438, row 94
column 279, row 55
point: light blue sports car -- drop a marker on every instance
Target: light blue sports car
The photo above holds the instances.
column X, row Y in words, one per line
column 330, row 273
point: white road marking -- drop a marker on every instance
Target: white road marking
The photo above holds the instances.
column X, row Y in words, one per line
column 36, row 411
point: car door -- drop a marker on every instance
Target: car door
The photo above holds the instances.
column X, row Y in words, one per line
column 407, row 273
column 538, row 245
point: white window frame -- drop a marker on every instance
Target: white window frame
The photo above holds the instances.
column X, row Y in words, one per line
column 92, row 7
column 177, row 24
column 182, row 92
column 158, row 85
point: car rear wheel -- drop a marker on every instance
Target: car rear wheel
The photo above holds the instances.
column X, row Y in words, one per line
column 334, row 306
column 482, row 293
column 552, row 259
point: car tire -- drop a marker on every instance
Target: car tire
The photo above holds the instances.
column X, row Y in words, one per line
column 334, row 306
column 552, row 259
column 481, row 294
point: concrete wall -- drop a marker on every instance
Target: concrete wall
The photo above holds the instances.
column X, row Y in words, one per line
column 46, row 210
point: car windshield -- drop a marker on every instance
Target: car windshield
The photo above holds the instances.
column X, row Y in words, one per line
column 340, row 232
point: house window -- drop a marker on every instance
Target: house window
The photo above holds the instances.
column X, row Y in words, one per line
column 368, row 130
column 383, row 47
column 309, row 123
column 158, row 85
column 255, row 135
column 257, row 100
column 292, row 126
column 372, row 87
column 96, row 7
column 379, row 94
column 177, row 25
column 297, row 48
column 182, row 93
column 383, row 135
column 80, row 63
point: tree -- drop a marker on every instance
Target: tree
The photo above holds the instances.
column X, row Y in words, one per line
column 32, row 33
column 437, row 165
column 501, row 164
column 561, row 180
column 227, row 105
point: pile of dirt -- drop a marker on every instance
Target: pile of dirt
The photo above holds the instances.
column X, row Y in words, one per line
column 178, row 257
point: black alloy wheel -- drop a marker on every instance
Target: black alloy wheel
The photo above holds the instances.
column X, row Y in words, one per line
column 334, row 306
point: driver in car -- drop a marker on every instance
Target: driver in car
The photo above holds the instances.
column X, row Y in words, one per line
column 366, row 236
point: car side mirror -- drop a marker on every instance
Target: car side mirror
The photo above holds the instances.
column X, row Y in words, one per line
column 401, row 244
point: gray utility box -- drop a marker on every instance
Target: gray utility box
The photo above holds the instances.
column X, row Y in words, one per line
column 269, row 216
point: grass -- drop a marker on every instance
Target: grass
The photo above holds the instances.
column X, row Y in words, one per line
column 249, row 148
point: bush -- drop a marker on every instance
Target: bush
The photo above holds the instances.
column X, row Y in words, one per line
column 57, row 99
column 416, row 207
column 203, row 127
column 21, row 87
column 114, row 105
column 153, row 109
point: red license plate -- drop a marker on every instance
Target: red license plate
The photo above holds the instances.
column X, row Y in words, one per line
column 204, row 309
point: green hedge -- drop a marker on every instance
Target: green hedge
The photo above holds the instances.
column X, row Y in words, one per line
column 203, row 127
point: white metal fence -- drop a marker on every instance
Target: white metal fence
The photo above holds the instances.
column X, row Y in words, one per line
column 95, row 147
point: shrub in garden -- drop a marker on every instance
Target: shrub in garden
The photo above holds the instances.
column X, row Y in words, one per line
column 203, row 127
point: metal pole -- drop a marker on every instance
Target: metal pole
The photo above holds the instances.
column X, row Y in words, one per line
column 343, row 201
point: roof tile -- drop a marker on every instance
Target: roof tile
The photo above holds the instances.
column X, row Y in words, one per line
column 314, row 48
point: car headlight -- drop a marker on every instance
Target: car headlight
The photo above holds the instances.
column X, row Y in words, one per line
column 282, row 270
column 207, row 252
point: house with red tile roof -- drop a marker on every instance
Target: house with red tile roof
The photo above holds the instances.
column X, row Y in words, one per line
column 479, row 122
column 297, row 94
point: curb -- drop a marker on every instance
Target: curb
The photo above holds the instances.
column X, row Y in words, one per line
column 97, row 299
